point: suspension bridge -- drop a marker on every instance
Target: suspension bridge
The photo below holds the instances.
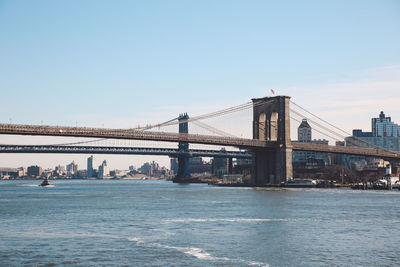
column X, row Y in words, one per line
column 270, row 146
column 156, row 151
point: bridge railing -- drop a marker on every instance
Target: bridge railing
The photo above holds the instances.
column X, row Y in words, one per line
column 121, row 150
column 181, row 137
column 368, row 152
column 130, row 134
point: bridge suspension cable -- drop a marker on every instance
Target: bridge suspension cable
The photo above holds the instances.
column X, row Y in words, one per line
column 218, row 113
column 334, row 138
column 175, row 121
column 317, row 124
column 104, row 139
column 323, row 127
column 335, row 132
column 212, row 129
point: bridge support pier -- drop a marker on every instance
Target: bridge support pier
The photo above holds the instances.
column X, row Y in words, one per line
column 271, row 122
column 183, row 161
column 183, row 169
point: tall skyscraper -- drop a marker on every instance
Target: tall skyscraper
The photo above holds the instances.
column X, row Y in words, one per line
column 90, row 171
column 72, row 169
column 174, row 165
column 103, row 170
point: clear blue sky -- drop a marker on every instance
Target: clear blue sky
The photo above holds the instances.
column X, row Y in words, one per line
column 109, row 62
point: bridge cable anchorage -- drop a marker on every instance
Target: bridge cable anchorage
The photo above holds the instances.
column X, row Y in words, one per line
column 336, row 133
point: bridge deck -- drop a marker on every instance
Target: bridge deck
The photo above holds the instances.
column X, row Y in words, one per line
column 368, row 152
column 172, row 152
column 131, row 134
column 190, row 138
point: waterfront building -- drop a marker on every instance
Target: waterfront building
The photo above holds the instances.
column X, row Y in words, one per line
column 81, row 174
column 11, row 173
column 145, row 168
column 34, row 171
column 174, row 165
column 304, row 134
column 72, row 169
column 155, row 169
column 197, row 165
column 384, row 134
column 220, row 167
column 90, row 170
column 383, row 126
column 103, row 170
column 243, row 166
column 59, row 170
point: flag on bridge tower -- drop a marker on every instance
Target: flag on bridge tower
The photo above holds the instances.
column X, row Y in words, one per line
column 272, row 91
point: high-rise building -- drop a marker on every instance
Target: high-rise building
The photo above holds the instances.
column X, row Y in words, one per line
column 174, row 165
column 72, row 169
column 103, row 170
column 383, row 126
column 90, row 170
column 384, row 134
column 59, row 170
column 304, row 132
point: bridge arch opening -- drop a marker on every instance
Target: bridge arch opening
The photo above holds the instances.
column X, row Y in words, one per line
column 261, row 126
column 273, row 127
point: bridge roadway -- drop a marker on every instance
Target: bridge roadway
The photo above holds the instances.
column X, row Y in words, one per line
column 131, row 134
column 121, row 150
column 348, row 150
column 16, row 129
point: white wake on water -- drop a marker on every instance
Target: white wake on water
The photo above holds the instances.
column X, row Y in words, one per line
column 247, row 220
column 195, row 252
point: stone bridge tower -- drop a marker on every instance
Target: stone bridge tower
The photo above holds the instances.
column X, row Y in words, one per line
column 271, row 122
column 183, row 161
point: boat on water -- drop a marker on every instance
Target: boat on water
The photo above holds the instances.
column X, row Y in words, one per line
column 303, row 183
column 45, row 182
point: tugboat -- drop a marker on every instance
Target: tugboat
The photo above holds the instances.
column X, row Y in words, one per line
column 45, row 182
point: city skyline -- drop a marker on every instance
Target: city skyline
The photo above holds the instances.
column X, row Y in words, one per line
column 276, row 125
column 160, row 60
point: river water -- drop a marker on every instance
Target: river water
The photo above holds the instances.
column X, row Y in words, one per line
column 158, row 223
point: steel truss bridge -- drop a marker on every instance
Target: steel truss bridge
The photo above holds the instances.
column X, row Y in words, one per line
column 132, row 134
column 171, row 152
